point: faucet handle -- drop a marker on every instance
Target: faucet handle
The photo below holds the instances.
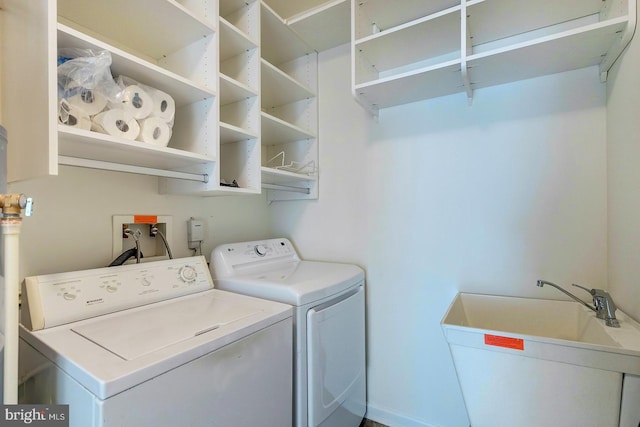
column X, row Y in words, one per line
column 591, row 291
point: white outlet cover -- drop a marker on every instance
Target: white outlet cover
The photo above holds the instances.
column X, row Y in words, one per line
column 120, row 220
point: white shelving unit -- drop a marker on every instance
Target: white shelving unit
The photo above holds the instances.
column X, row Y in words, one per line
column 167, row 53
column 244, row 80
column 268, row 106
column 289, row 117
column 243, row 74
column 239, row 147
column 428, row 49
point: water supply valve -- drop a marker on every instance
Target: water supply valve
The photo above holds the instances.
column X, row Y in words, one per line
column 13, row 204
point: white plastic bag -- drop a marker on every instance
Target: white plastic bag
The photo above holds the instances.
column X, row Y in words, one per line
column 84, row 79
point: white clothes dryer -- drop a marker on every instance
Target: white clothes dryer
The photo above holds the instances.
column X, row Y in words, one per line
column 329, row 323
column 154, row 344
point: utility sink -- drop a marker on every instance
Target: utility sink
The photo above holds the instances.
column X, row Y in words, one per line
column 532, row 362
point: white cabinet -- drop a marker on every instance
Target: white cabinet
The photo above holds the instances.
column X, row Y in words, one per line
column 289, row 111
column 172, row 52
column 417, row 50
column 243, row 81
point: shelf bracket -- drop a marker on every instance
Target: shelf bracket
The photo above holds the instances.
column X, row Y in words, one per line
column 621, row 43
column 139, row 170
column 373, row 110
column 290, row 188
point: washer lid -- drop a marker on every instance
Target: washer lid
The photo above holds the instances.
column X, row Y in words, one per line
column 297, row 283
column 136, row 334
column 118, row 351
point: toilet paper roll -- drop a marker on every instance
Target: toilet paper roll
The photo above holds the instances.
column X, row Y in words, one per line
column 72, row 116
column 164, row 106
column 116, row 122
column 155, row 130
column 92, row 101
column 136, row 101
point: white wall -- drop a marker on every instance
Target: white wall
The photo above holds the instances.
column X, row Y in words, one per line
column 72, row 223
column 623, row 130
column 436, row 198
column 439, row 197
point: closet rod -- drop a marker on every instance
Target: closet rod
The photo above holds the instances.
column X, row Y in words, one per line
column 140, row 170
column 286, row 188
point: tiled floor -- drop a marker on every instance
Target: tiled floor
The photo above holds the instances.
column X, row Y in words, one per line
column 369, row 423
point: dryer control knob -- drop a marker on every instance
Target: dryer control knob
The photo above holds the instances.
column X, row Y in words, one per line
column 187, row 273
column 261, row 250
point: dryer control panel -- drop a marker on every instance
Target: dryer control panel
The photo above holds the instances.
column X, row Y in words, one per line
column 56, row 299
column 236, row 258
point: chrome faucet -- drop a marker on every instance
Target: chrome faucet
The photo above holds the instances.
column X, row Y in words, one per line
column 605, row 307
column 603, row 304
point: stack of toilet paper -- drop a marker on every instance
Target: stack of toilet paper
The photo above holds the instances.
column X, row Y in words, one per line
column 136, row 112
column 139, row 112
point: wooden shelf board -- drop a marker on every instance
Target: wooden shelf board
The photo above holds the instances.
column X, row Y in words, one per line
column 387, row 16
column 325, row 26
column 276, row 131
column 227, row 7
column 280, row 177
column 279, row 44
column 414, row 86
column 497, row 19
column 424, row 38
column 287, row 8
column 172, row 28
column 553, row 54
column 232, row 90
column 96, row 146
column 231, row 191
column 230, row 133
column 279, row 88
column 233, row 42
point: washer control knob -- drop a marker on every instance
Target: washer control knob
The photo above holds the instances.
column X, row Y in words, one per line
column 68, row 296
column 187, row 273
column 261, row 250
column 145, row 281
column 111, row 288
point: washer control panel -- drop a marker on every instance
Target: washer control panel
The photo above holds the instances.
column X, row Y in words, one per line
column 231, row 259
column 56, row 299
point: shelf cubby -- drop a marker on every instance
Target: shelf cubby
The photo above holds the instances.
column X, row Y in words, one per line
column 380, row 54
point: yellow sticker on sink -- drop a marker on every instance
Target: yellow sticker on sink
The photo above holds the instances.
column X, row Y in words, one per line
column 507, row 342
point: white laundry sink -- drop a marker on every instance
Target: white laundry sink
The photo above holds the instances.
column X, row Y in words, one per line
column 563, row 323
column 531, row 362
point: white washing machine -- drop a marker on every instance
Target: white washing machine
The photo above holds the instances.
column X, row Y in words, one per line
column 154, row 344
column 329, row 323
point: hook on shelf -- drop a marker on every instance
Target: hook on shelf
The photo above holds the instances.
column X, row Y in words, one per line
column 308, row 168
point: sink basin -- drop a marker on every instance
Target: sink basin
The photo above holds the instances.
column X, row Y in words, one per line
column 532, row 362
column 540, row 321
